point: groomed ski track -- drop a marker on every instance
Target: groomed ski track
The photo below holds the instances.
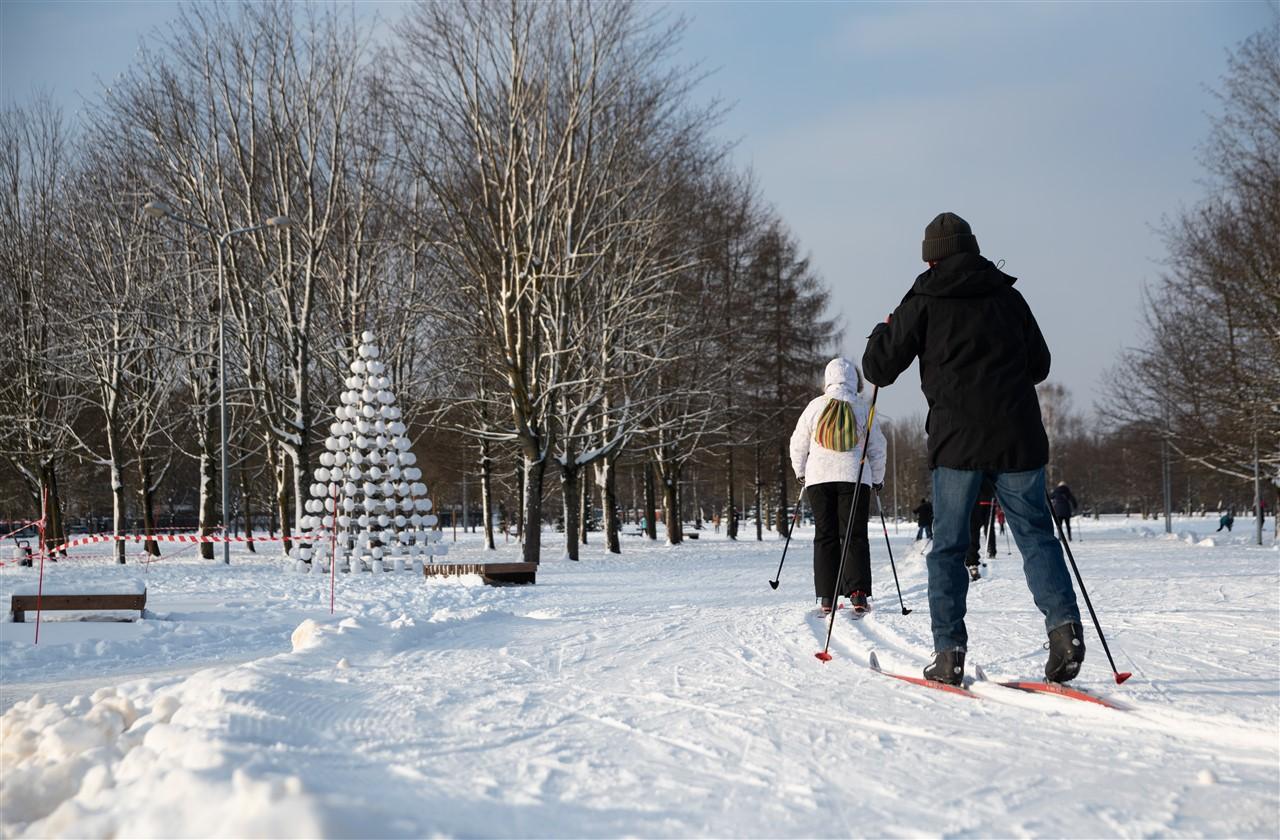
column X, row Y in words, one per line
column 668, row 693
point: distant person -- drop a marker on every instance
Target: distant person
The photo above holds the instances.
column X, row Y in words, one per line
column 924, row 519
column 992, row 507
column 981, row 354
column 1227, row 519
column 1064, row 506
column 979, row 518
column 826, row 447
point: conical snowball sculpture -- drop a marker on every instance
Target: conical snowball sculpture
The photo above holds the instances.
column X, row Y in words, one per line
column 368, row 504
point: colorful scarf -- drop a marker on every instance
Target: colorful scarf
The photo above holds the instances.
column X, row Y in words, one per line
column 837, row 429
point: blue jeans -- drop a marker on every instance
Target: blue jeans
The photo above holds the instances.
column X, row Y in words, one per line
column 1022, row 495
column 924, row 530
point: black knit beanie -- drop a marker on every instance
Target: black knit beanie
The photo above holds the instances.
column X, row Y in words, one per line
column 948, row 234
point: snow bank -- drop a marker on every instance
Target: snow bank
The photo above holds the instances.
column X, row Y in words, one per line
column 107, row 767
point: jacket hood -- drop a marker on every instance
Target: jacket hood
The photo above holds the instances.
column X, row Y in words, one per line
column 840, row 373
column 962, row 275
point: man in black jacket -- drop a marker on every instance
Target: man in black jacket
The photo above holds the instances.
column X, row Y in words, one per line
column 981, row 355
column 1064, row 506
column 924, row 518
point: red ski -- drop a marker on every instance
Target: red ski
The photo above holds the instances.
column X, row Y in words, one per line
column 921, row 681
column 1057, row 689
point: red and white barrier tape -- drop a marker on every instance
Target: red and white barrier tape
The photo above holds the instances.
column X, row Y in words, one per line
column 23, row 527
column 173, row 538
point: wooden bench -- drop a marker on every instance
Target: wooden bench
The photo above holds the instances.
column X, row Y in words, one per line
column 23, row 604
column 492, row 574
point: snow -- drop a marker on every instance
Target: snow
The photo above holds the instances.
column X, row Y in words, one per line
column 661, row 693
column 66, row 585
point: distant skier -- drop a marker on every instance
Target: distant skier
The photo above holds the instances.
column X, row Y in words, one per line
column 924, row 519
column 992, row 507
column 1227, row 519
column 1064, row 506
column 981, row 354
column 980, row 518
column 825, row 448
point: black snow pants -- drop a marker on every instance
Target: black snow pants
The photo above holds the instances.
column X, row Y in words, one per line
column 831, row 503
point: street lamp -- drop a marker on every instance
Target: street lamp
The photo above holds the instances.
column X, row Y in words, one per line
column 160, row 210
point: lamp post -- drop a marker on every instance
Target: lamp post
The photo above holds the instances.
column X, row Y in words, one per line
column 160, row 210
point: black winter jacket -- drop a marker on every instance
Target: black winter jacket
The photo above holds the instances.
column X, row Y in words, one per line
column 924, row 513
column 1064, row 501
column 981, row 355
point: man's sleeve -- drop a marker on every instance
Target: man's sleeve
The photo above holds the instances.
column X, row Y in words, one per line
column 893, row 346
column 1038, row 358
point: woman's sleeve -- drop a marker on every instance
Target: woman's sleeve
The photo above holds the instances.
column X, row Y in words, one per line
column 800, row 441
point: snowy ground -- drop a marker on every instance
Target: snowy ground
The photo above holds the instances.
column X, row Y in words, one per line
column 668, row 692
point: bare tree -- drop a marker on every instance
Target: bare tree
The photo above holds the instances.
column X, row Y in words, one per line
column 35, row 415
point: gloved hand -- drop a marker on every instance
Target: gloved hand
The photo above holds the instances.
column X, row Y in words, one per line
column 878, row 487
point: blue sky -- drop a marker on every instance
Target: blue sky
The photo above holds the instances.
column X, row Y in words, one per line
column 1062, row 131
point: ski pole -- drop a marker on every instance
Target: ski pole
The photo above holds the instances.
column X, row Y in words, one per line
column 825, row 654
column 880, row 507
column 1120, row 676
column 795, row 520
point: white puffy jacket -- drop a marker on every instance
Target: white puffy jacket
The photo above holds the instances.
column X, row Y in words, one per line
column 819, row 465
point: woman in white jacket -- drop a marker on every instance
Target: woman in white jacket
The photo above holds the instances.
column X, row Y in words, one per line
column 825, row 449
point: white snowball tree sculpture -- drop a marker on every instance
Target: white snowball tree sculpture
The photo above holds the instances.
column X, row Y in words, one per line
column 368, row 504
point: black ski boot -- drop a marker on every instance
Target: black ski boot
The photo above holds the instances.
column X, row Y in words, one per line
column 1066, row 652
column 826, row 606
column 947, row 667
column 858, row 600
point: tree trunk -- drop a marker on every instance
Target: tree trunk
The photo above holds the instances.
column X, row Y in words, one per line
column 117, row 492
column 147, row 497
column 302, row 419
column 520, row 514
column 486, row 493
column 634, row 510
column 671, row 504
column 781, row 512
column 571, row 502
column 759, row 489
column 208, row 494
column 607, row 479
column 279, row 471
column 650, row 503
column 584, row 504
column 533, row 474
column 50, row 504
column 246, row 509
column 731, row 506
column 697, row 506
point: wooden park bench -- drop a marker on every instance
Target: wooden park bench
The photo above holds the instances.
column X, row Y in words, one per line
column 493, row 574
column 129, row 598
